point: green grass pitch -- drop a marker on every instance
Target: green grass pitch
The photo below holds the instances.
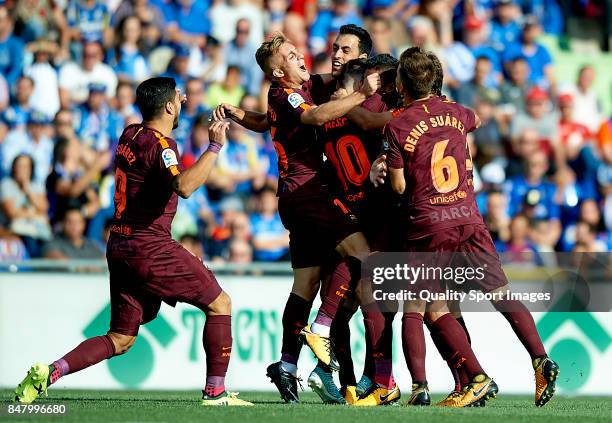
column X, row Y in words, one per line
column 179, row 407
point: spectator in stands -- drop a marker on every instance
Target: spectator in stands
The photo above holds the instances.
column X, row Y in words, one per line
column 527, row 143
column 193, row 245
column 17, row 114
column 72, row 244
column 226, row 13
column 586, row 239
column 575, row 138
column 150, row 17
column 125, row 101
column 229, row 91
column 295, row 29
column 24, row 203
column 240, row 52
column 97, row 125
column 539, row 117
column 505, row 25
column 74, row 79
column 178, row 67
column 482, row 85
column 382, row 38
column 190, row 110
column 45, row 97
column 88, row 21
column 476, row 33
column 270, row 238
column 40, row 19
column 513, row 91
column 488, row 137
column 587, row 110
column 209, row 65
column 11, row 247
column 240, row 252
column 497, row 218
column 34, row 141
column 198, row 140
column 70, row 185
column 329, row 21
column 519, row 248
column 11, row 48
column 188, row 22
column 536, row 55
column 238, row 162
column 533, row 195
column 128, row 62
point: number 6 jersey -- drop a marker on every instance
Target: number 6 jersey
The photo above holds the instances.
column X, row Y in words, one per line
column 428, row 139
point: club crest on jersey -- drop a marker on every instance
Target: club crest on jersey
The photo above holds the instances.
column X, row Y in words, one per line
column 169, row 157
column 295, row 100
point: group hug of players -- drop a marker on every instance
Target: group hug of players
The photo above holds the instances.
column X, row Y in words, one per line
column 397, row 176
column 339, row 139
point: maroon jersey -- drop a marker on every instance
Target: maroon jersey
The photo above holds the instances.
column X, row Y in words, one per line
column 295, row 143
column 351, row 151
column 145, row 203
column 428, row 140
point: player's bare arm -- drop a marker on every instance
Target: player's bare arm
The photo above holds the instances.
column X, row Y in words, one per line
column 398, row 182
column 185, row 183
column 253, row 121
column 318, row 115
column 368, row 120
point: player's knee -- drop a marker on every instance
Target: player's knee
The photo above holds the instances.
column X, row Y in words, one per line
column 121, row 342
column 222, row 305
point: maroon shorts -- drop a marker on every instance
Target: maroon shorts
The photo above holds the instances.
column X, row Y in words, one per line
column 465, row 246
column 317, row 224
column 138, row 285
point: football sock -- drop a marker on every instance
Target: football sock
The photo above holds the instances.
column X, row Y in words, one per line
column 444, row 352
column 289, row 367
column 87, row 353
column 522, row 324
column 342, row 280
column 453, row 336
column 295, row 318
column 383, row 373
column 341, row 334
column 217, row 340
column 465, row 329
column 215, row 385
column 321, row 327
column 413, row 345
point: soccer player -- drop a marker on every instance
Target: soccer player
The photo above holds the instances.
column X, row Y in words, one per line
column 350, row 150
column 428, row 158
column 146, row 265
column 317, row 222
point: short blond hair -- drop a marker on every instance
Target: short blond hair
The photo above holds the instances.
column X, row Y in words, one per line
column 268, row 49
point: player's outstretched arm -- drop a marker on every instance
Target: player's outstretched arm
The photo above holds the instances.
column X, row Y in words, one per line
column 368, row 120
column 398, row 183
column 185, row 183
column 253, row 121
column 318, row 115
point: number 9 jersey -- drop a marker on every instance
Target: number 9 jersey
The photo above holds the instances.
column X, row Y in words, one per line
column 428, row 139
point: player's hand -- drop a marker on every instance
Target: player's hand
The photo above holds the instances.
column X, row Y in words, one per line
column 370, row 84
column 340, row 93
column 378, row 171
column 223, row 111
column 217, row 131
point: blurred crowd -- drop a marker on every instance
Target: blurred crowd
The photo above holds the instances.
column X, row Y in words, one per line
column 69, row 69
